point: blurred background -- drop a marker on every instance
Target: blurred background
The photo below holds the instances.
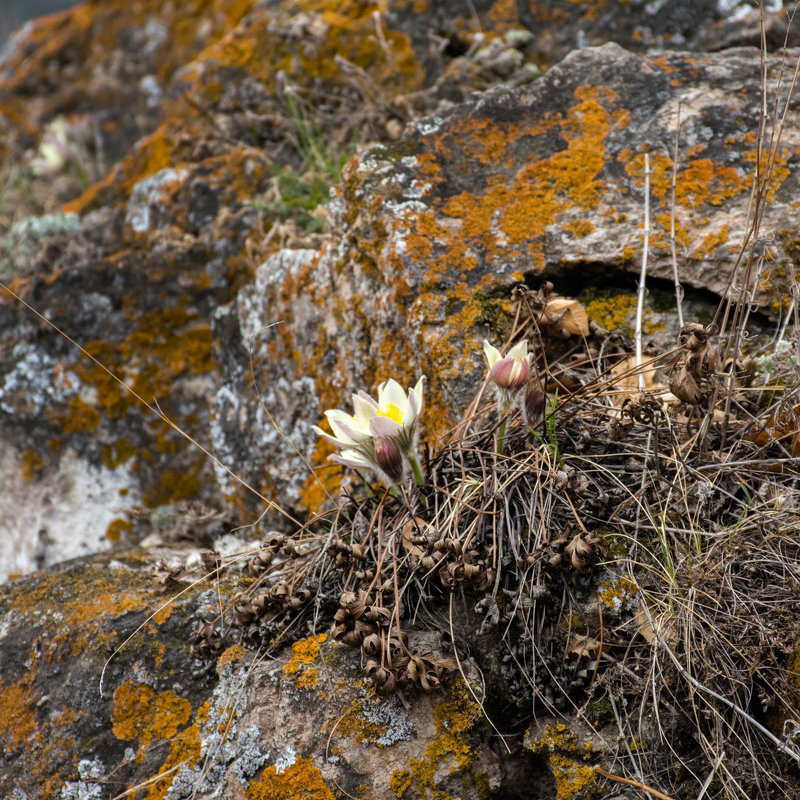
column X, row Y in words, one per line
column 13, row 13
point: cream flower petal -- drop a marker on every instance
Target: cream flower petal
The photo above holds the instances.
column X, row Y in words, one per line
column 519, row 351
column 415, row 398
column 492, row 353
column 364, row 396
column 392, row 393
column 333, row 440
column 347, row 429
column 364, row 408
column 352, row 458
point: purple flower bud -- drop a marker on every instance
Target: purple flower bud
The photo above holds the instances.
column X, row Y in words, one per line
column 511, row 373
column 533, row 406
column 388, row 458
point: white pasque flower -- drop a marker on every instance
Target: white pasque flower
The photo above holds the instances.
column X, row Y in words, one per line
column 510, row 371
column 379, row 431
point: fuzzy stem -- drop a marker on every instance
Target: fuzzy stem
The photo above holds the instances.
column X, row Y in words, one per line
column 418, row 476
column 501, row 435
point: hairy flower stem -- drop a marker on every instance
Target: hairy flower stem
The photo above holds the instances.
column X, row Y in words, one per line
column 501, row 435
column 418, row 476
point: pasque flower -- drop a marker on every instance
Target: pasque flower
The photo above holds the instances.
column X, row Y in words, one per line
column 380, row 433
column 509, row 372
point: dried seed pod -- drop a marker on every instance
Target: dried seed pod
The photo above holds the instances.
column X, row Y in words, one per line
column 484, row 580
column 274, row 540
column 428, row 563
column 357, row 551
column 243, row 610
column 211, row 560
column 579, row 551
column 279, row 591
column 372, row 644
column 290, row 549
column 377, row 614
column 258, row 564
column 260, row 602
column 389, row 684
column 471, row 571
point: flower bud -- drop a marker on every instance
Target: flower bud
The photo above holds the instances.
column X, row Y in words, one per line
column 388, row 458
column 533, row 406
column 511, row 373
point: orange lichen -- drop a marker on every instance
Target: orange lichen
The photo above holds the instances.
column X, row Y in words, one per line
column 301, row 664
column 117, row 528
column 18, row 710
column 231, row 655
column 700, row 182
column 143, row 714
column 712, row 241
column 579, row 227
column 517, row 211
column 32, row 465
column 301, row 781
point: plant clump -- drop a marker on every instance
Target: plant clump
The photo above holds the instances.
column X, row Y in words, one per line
column 496, row 541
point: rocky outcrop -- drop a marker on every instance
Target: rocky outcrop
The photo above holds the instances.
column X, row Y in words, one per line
column 431, row 233
column 166, row 207
column 100, row 694
column 199, row 245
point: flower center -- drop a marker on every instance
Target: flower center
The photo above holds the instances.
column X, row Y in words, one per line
column 392, row 411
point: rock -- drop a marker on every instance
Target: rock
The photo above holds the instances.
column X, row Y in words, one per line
column 101, row 694
column 430, row 234
column 149, row 240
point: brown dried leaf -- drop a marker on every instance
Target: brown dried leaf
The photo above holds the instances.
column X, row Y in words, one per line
column 626, row 377
column 619, row 427
column 410, row 529
column 566, row 315
column 584, row 646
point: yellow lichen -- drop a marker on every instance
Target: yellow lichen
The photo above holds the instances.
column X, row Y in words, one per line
column 617, row 312
column 185, row 748
column 618, row 594
column 452, row 747
column 301, row 664
column 573, row 777
column 301, row 781
column 141, row 713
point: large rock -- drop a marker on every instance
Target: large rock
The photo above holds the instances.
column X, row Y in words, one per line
column 100, row 693
column 432, row 232
column 165, row 266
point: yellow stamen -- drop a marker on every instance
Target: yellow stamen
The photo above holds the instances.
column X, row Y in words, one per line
column 392, row 411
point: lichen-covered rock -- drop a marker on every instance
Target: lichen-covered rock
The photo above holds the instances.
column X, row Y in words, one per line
column 158, row 160
column 432, row 232
column 99, row 693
